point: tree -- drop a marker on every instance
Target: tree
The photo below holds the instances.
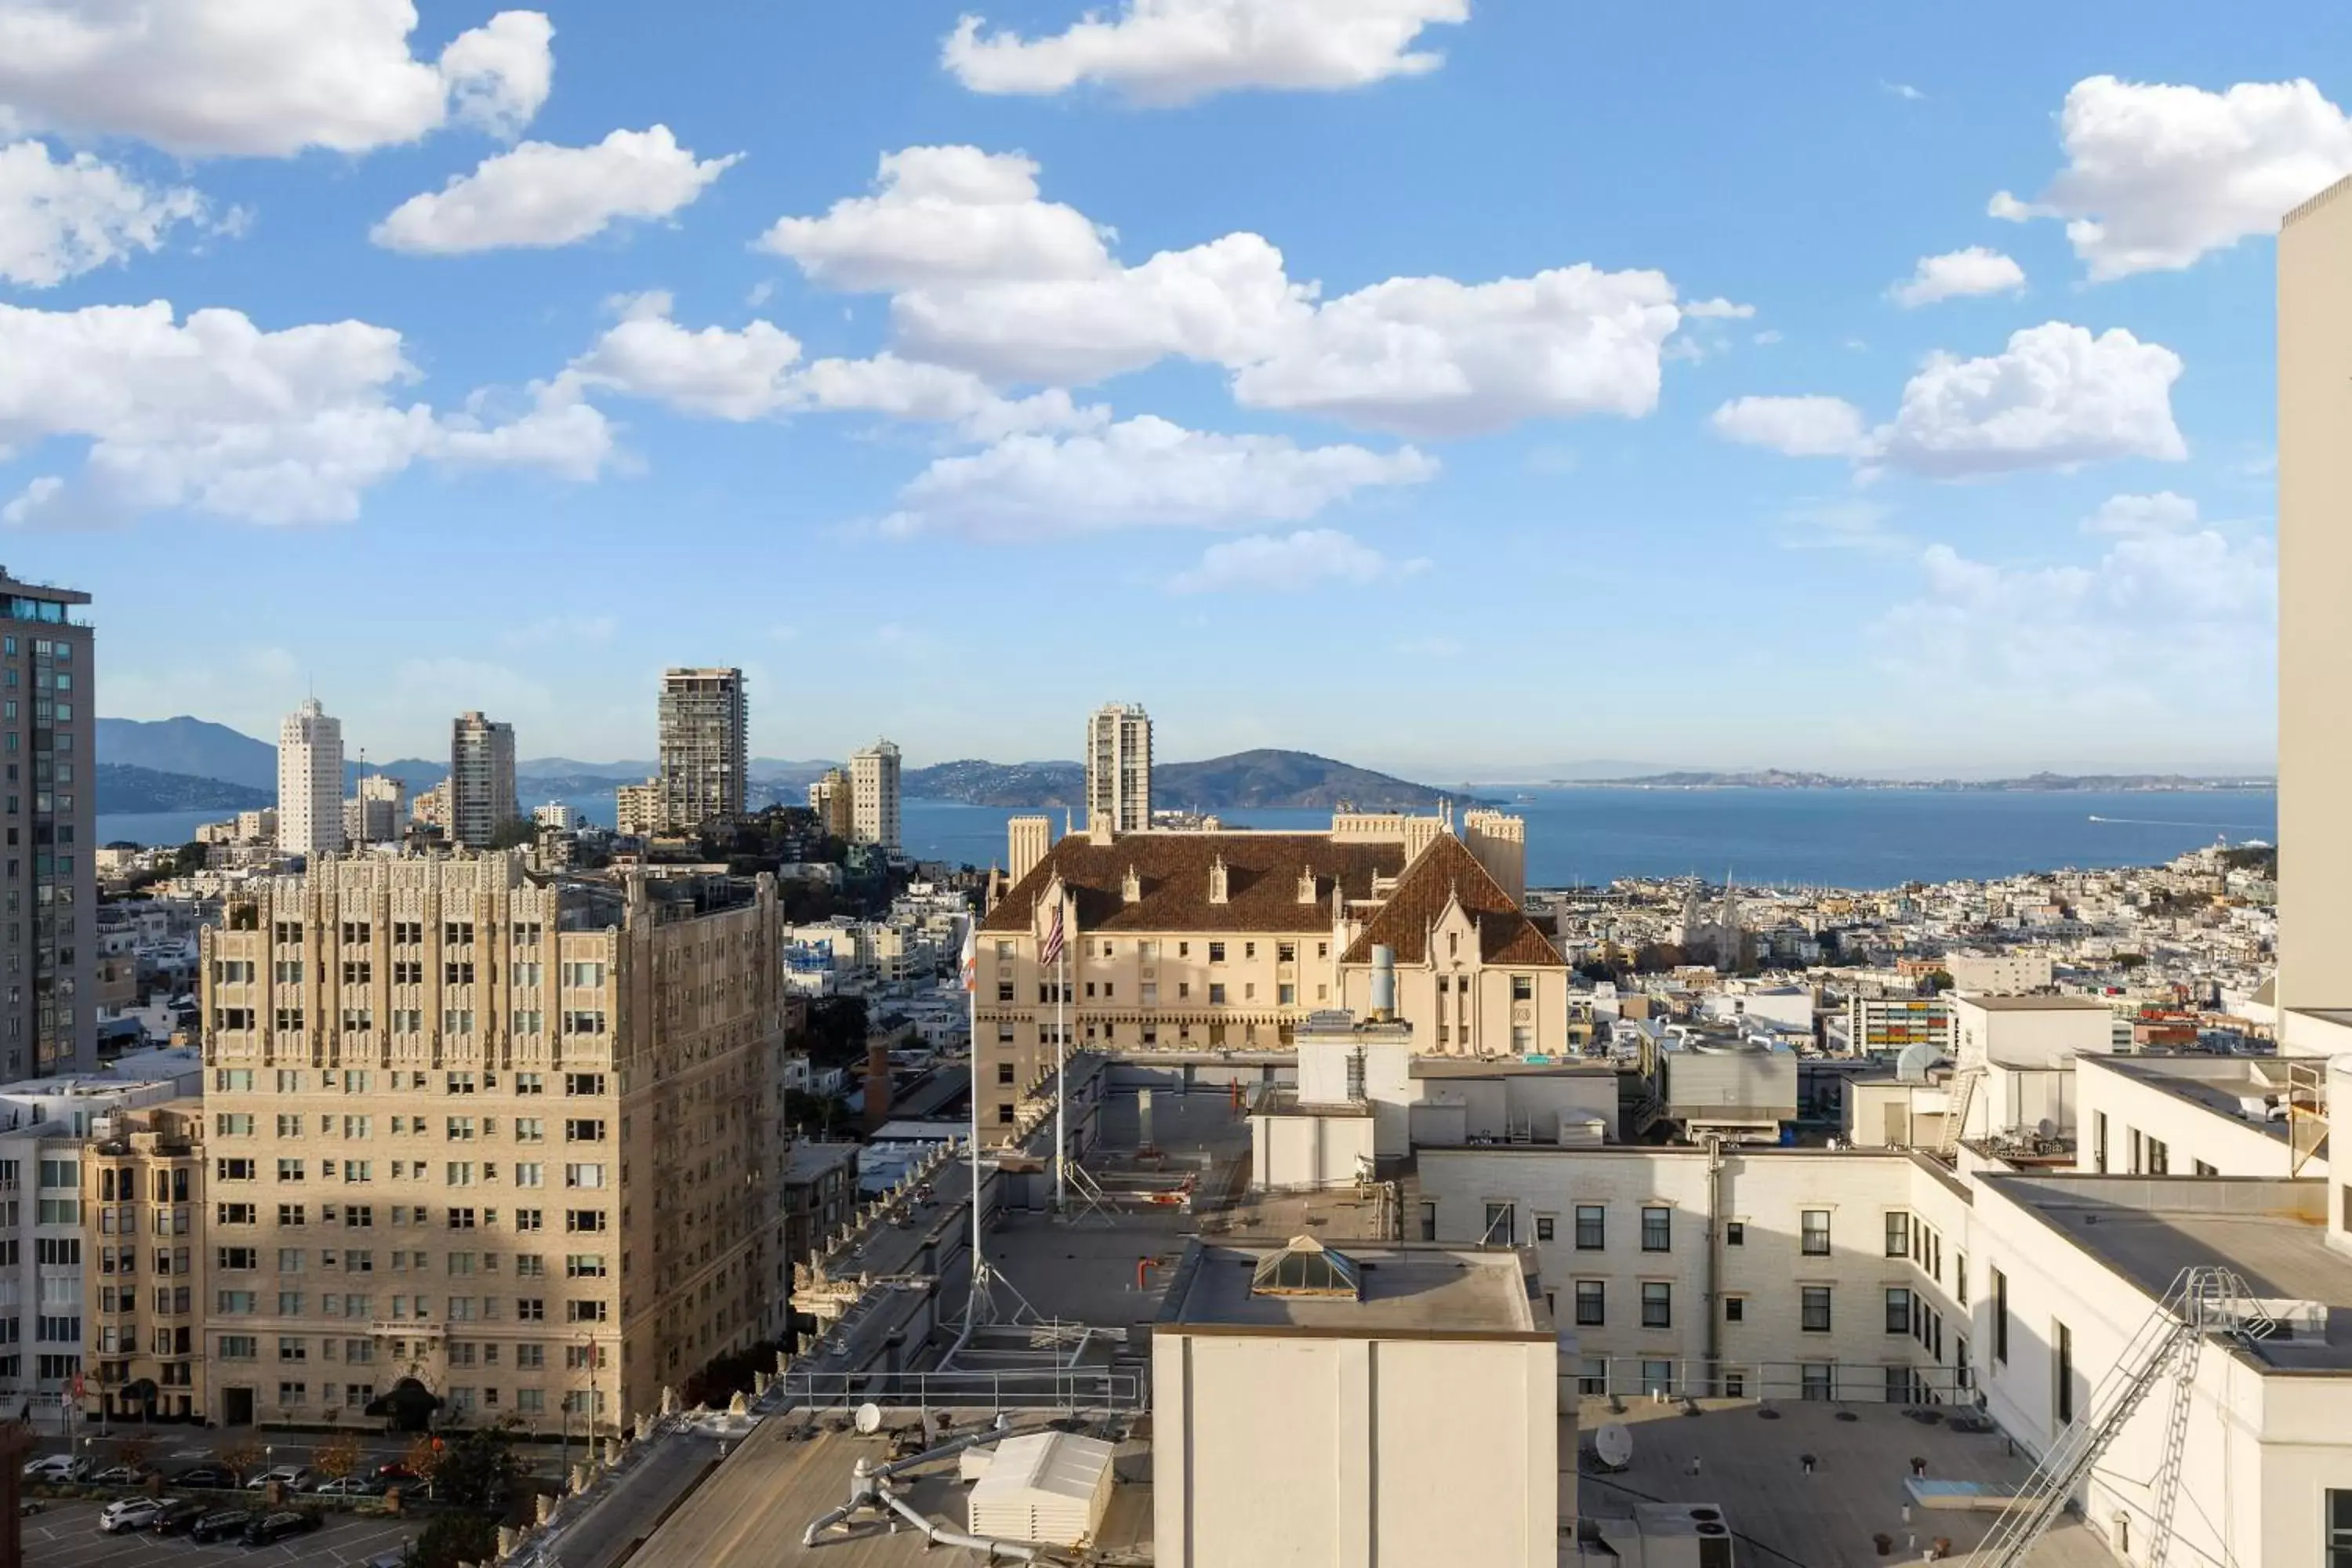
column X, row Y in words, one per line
column 475, row 1467
column 1939, row 980
column 134, row 1450
column 338, row 1457
column 422, row 1459
column 836, row 1030
column 516, row 834
column 455, row 1538
column 242, row 1455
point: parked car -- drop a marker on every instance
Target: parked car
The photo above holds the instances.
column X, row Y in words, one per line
column 220, row 1524
column 350, row 1486
column 31, row 1506
column 275, row 1527
column 132, row 1513
column 396, row 1473
column 56, row 1467
column 293, row 1478
column 124, row 1475
column 176, row 1517
column 217, row 1476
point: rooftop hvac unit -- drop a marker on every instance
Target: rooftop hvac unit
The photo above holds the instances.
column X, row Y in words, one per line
column 1047, row 1487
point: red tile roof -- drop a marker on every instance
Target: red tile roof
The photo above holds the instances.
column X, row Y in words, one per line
column 1443, row 872
column 1262, row 878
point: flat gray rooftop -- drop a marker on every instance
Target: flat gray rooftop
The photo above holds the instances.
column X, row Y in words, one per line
column 750, row 1511
column 2215, row 1084
column 2272, row 1233
column 1424, row 1290
column 1749, row 1467
column 809, row 1161
column 1509, row 1066
column 2036, row 1003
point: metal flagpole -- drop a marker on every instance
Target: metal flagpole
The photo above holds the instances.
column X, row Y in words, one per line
column 971, row 1308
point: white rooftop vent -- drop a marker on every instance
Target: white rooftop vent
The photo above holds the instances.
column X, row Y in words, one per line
column 1047, row 1487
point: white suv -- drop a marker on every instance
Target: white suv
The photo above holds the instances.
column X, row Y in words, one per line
column 132, row 1513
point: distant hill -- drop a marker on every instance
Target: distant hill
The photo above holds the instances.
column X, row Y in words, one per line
column 196, row 748
column 1247, row 779
column 124, row 788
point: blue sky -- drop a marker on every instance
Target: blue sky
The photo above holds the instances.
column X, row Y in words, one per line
column 1457, row 388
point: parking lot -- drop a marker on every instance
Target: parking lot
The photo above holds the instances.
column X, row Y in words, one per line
column 66, row 1536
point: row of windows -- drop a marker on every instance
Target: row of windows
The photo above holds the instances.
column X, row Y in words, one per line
column 361, row 1080
column 362, row 1216
column 454, row 1128
column 579, row 1175
column 361, row 1260
column 454, row 933
column 1591, row 1233
column 235, row 1303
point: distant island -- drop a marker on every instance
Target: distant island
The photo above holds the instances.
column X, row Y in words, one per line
column 1776, row 778
column 1264, row 779
column 122, row 788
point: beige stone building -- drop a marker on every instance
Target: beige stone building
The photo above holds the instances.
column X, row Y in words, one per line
column 1119, row 767
column 1229, row 940
column 831, row 799
column 637, row 809
column 515, row 1139
column 2315, row 634
column 481, row 781
column 144, row 1262
column 874, row 773
column 704, row 746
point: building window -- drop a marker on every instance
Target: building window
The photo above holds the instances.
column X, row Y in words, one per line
column 1960, row 1277
column 1591, row 1227
column 2063, row 1373
column 1813, row 1231
column 2339, row 1528
column 2099, row 1141
column 2000, row 1317
column 1657, row 1304
column 2205, row 1170
column 1898, row 1309
column 1735, row 1233
column 1735, row 1309
column 1592, row 1378
column 1502, row 1226
column 1658, row 1377
column 1815, row 1380
column 1523, row 987
column 1898, row 1236
column 1592, row 1303
column 1428, row 1221
column 1657, row 1229
column 2159, row 1158
column 1544, row 1222
column 1898, row 1385
column 1813, row 1309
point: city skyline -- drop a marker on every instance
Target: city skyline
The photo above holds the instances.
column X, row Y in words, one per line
column 1939, row 391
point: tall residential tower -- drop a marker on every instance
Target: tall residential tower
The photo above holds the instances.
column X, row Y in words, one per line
column 2315, row 634
column 481, row 779
column 49, row 1023
column 703, row 734
column 309, row 782
column 1119, row 767
column 873, row 796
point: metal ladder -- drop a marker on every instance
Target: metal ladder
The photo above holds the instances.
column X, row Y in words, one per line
column 2202, row 1300
column 1962, row 1095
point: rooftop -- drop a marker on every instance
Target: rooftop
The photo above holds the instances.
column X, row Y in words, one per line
column 1510, row 1066
column 2216, row 1084
column 1749, row 1469
column 2148, row 1229
column 1411, row 1289
column 809, row 1161
column 1444, row 874
column 2033, row 1004
column 1263, row 872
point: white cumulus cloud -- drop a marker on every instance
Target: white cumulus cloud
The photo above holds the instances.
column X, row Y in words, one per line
column 1960, row 274
column 2163, row 629
column 543, row 195
column 987, row 276
column 2158, row 176
column 943, row 215
column 1144, row 472
column 262, row 76
column 2163, row 512
column 1797, row 426
column 1176, row 51
column 2056, row 397
column 63, row 217
column 756, row 372
column 1289, row 563
column 214, row 414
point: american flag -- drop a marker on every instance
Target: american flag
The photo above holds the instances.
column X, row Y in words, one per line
column 1053, row 953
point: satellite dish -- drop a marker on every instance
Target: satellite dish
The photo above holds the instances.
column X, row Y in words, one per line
column 2046, row 1128
column 869, row 1418
column 1613, row 1444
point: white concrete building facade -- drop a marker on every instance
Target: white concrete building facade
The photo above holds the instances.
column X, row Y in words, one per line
column 309, row 782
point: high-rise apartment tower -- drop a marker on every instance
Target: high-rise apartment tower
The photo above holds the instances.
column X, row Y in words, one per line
column 481, row 779
column 873, row 796
column 1118, row 768
column 2314, row 634
column 309, row 782
column 703, row 736
column 49, row 1019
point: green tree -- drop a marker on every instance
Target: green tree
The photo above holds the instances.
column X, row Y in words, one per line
column 836, row 1030
column 519, row 834
column 477, row 1467
column 455, row 1538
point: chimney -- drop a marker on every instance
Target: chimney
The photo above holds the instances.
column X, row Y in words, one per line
column 1307, row 884
column 1219, row 886
column 1131, row 888
column 877, row 1081
column 1383, row 984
